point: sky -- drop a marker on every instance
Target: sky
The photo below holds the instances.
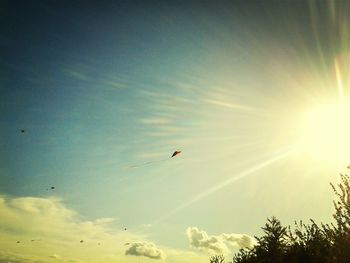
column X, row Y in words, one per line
column 253, row 93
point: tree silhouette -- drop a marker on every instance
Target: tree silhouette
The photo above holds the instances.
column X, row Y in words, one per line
column 217, row 259
column 309, row 243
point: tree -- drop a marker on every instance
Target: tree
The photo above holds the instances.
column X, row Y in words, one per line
column 340, row 235
column 309, row 243
column 217, row 259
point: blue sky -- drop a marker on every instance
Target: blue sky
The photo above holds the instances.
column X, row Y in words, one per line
column 100, row 88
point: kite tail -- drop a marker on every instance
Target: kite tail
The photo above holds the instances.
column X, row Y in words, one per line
column 147, row 163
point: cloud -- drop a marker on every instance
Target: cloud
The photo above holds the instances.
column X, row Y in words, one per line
column 55, row 256
column 240, row 240
column 145, row 249
column 227, row 104
column 75, row 74
column 10, row 257
column 114, row 84
column 156, row 120
column 202, row 241
column 58, row 230
column 217, row 244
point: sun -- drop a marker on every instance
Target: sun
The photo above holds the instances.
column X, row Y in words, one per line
column 326, row 134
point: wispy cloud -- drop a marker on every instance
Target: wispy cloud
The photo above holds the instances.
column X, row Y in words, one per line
column 75, row 74
column 115, row 84
column 156, row 120
column 11, row 257
column 227, row 104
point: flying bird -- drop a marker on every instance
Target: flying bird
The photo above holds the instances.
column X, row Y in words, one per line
column 81, row 241
column 175, row 153
column 22, row 130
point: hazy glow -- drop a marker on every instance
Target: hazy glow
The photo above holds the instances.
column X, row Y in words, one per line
column 231, row 180
column 327, row 131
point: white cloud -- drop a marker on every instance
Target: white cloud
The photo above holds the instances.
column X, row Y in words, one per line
column 217, row 244
column 57, row 231
column 201, row 240
column 240, row 240
column 146, row 249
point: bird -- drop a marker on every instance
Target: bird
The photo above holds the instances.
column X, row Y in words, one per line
column 23, row 130
column 81, row 241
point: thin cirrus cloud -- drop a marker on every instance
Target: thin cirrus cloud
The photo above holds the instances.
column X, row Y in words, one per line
column 217, row 244
column 227, row 104
column 156, row 120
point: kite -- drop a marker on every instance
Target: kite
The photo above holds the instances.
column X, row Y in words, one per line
column 175, row 153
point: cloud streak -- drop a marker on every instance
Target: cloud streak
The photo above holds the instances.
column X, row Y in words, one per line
column 227, row 104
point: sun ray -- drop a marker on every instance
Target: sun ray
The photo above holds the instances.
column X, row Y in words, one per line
column 227, row 182
column 339, row 81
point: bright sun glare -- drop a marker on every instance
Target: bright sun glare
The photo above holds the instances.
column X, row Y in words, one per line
column 327, row 132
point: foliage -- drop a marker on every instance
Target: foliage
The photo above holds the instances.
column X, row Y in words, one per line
column 217, row 259
column 309, row 243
